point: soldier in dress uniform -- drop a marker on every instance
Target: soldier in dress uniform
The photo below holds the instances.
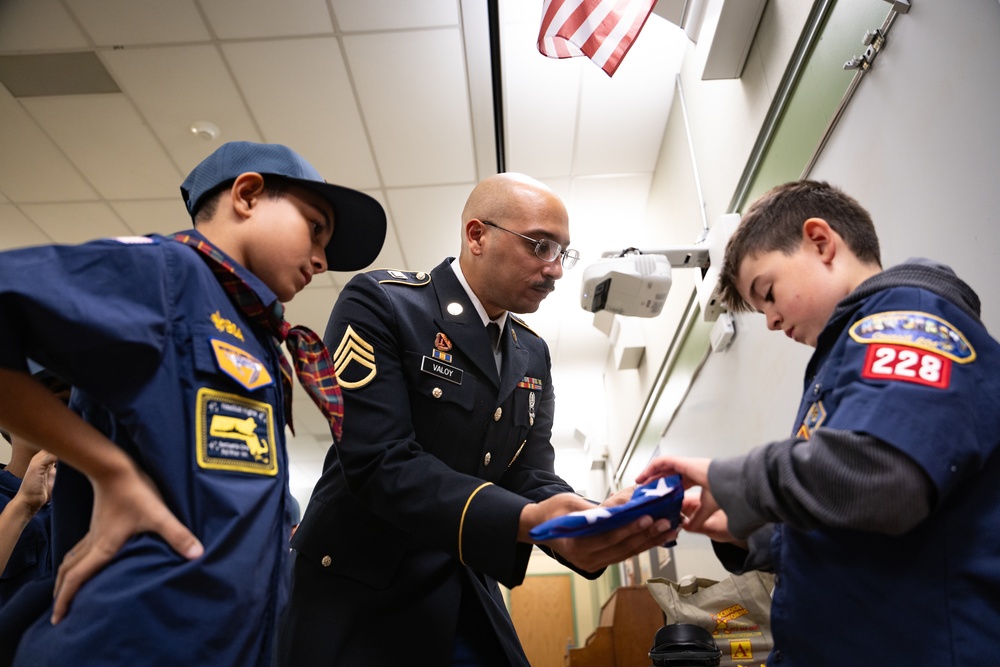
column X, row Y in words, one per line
column 445, row 463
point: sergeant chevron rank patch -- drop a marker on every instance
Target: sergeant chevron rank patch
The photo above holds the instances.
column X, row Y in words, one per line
column 354, row 361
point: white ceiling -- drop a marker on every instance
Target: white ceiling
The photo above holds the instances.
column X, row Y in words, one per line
column 392, row 97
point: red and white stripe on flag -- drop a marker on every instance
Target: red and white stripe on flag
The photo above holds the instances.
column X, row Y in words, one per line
column 602, row 30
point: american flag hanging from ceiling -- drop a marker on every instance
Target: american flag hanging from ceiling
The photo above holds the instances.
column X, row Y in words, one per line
column 602, row 30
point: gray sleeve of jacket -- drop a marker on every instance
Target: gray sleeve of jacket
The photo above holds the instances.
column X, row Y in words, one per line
column 841, row 479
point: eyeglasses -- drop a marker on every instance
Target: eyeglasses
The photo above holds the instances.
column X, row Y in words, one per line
column 546, row 249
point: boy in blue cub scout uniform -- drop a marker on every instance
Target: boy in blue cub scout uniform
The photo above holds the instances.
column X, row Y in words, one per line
column 169, row 344
column 445, row 463
column 30, row 557
column 880, row 514
column 24, row 538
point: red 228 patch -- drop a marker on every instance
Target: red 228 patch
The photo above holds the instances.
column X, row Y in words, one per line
column 898, row 362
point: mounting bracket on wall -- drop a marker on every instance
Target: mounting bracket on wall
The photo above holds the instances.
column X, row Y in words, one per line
column 875, row 41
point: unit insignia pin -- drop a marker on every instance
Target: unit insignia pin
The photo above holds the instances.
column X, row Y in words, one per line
column 441, row 342
column 442, row 345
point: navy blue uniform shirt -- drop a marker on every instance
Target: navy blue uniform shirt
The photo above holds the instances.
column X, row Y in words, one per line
column 168, row 368
column 30, row 558
column 916, row 371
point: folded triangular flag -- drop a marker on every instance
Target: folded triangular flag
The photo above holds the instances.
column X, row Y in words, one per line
column 660, row 499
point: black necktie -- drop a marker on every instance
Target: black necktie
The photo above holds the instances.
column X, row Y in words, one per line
column 493, row 329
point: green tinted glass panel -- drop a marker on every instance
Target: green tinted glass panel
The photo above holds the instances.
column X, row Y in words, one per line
column 818, row 92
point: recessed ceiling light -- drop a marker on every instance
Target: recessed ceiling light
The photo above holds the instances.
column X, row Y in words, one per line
column 205, row 130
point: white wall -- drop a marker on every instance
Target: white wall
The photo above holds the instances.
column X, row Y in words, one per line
column 920, row 147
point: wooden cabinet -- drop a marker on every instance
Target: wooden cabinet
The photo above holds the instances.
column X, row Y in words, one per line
column 628, row 622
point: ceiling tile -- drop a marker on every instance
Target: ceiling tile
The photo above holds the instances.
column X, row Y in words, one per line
column 153, row 216
column 414, row 98
column 479, row 72
column 40, row 171
column 608, row 212
column 107, row 140
column 540, row 105
column 76, row 223
column 358, row 15
column 301, row 96
column 235, row 19
column 175, row 86
column 671, row 10
column 17, row 231
column 27, row 25
column 429, row 223
column 514, row 12
column 622, row 118
column 117, row 22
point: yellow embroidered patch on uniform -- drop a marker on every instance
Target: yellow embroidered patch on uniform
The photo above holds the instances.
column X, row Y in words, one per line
column 240, row 365
column 354, row 361
column 234, row 433
column 226, row 326
column 813, row 420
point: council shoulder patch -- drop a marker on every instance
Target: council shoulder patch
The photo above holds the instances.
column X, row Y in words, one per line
column 914, row 329
column 354, row 360
column 234, row 433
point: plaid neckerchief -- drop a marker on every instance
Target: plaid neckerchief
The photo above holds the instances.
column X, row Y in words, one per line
column 312, row 360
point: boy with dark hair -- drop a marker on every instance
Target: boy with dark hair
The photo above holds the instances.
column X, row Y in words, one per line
column 183, row 395
column 879, row 515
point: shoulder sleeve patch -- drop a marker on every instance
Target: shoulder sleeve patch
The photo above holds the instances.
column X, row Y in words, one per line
column 397, row 277
column 514, row 318
column 923, row 331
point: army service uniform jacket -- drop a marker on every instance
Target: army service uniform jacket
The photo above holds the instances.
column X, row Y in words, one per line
column 421, row 499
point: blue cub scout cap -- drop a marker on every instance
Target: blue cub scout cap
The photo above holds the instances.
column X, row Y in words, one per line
column 359, row 220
